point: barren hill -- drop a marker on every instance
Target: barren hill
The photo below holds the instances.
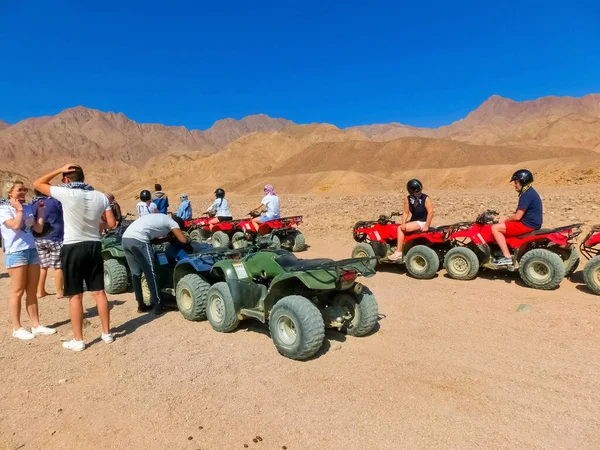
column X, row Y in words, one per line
column 549, row 134
column 3, row 125
column 228, row 130
column 500, row 120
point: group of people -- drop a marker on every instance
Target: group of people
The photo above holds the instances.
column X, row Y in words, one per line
column 61, row 229
column 418, row 214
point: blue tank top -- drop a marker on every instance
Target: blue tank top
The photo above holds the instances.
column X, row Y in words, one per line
column 416, row 206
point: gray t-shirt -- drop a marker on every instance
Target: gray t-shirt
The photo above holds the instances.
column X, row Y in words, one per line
column 150, row 226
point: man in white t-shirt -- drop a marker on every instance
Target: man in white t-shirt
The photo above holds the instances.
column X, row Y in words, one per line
column 81, row 257
column 140, row 254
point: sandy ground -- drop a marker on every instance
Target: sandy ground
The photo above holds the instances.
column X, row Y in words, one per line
column 450, row 365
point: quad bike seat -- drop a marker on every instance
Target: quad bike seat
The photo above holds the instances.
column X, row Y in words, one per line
column 551, row 230
column 290, row 263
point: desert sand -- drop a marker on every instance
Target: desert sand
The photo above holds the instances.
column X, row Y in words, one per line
column 450, row 364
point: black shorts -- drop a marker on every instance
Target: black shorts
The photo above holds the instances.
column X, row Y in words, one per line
column 82, row 262
column 224, row 218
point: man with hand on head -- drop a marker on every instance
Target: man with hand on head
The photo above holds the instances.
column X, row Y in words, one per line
column 80, row 257
column 140, row 254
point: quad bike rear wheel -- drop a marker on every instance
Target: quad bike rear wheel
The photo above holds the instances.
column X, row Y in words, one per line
column 296, row 327
column 541, row 269
column 422, row 262
column 191, row 293
column 220, row 308
column 591, row 275
column 364, row 250
column 360, row 311
column 461, row 263
column 238, row 240
column 116, row 279
column 220, row 239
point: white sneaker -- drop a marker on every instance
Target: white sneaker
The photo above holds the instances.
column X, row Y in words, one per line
column 108, row 338
column 74, row 345
column 42, row 330
column 22, row 334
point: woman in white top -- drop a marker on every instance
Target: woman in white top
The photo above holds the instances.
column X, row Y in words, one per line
column 220, row 207
column 17, row 220
column 146, row 206
column 269, row 205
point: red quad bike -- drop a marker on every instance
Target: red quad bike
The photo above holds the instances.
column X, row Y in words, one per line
column 421, row 251
column 220, row 236
column 543, row 257
column 590, row 248
column 284, row 232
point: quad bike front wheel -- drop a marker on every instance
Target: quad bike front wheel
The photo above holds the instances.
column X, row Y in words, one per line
column 116, row 279
column 422, row 262
column 591, row 275
column 299, row 243
column 146, row 295
column 220, row 239
column 541, row 269
column 238, row 240
column 191, row 293
column 296, row 327
column 220, row 308
column 359, row 311
column 364, row 250
column 461, row 263
column 196, row 236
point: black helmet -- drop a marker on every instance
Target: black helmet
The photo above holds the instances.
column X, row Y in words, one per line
column 523, row 176
column 219, row 193
column 414, row 186
column 145, row 195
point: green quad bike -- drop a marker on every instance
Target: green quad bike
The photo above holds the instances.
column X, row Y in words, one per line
column 297, row 297
column 116, row 270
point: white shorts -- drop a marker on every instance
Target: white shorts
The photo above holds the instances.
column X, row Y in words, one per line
column 421, row 224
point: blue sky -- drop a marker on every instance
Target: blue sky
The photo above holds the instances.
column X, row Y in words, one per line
column 347, row 62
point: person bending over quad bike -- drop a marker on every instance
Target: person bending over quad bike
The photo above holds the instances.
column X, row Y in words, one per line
column 269, row 205
column 140, row 255
column 417, row 215
column 145, row 205
column 527, row 218
column 220, row 207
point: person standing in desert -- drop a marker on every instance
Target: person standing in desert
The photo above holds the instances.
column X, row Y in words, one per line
column 160, row 199
column 49, row 245
column 17, row 220
column 80, row 256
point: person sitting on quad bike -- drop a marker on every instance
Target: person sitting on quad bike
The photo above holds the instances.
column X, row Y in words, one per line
column 185, row 209
column 145, row 205
column 527, row 218
column 269, row 205
column 116, row 208
column 140, row 254
column 220, row 208
column 417, row 215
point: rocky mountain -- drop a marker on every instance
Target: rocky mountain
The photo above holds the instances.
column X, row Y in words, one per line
column 242, row 154
column 563, row 121
column 228, row 130
column 3, row 125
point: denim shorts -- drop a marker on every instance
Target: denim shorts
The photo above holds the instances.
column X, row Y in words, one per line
column 21, row 258
column 264, row 218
